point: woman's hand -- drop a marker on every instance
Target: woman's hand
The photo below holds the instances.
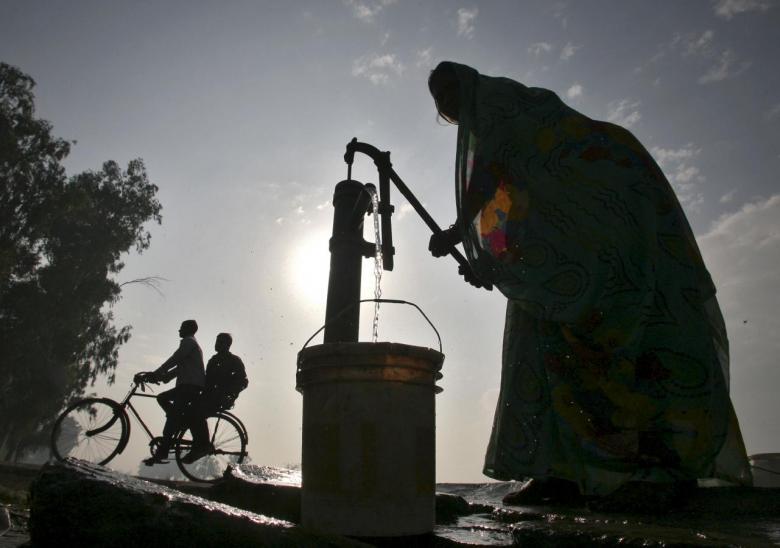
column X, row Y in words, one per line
column 442, row 242
column 470, row 277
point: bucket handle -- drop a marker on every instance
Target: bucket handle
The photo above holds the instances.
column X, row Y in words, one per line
column 391, row 301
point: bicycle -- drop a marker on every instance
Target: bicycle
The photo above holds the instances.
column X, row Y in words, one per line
column 97, row 429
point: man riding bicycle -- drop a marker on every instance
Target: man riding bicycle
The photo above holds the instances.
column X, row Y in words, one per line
column 180, row 403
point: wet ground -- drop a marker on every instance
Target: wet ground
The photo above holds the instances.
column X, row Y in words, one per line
column 717, row 516
column 713, row 516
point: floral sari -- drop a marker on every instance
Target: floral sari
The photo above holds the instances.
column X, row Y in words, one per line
column 615, row 357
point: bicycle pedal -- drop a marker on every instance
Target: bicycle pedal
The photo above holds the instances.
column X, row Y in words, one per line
column 152, row 461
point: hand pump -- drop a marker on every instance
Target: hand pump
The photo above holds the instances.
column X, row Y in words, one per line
column 351, row 203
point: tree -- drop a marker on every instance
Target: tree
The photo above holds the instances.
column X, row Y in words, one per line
column 61, row 241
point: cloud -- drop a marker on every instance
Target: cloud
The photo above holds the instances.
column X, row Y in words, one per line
column 538, row 48
column 568, row 51
column 773, row 112
column 700, row 48
column 664, row 48
column 726, row 198
column 741, row 251
column 723, row 63
column 667, row 156
column 424, row 58
column 378, row 69
column 624, row 112
column 559, row 9
column 367, row 10
column 466, row 21
column 405, row 209
column 726, row 67
column 683, row 175
column 756, row 225
column 699, row 45
column 574, row 91
column 727, row 9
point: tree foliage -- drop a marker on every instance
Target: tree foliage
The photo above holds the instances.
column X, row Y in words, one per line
column 61, row 243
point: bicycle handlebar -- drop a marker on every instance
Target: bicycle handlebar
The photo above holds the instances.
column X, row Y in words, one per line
column 144, row 377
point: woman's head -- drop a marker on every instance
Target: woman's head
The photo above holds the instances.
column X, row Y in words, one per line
column 445, row 90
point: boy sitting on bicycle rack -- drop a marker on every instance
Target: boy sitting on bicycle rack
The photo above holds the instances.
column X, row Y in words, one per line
column 181, row 402
column 225, row 377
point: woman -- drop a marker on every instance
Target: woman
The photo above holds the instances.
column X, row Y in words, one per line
column 614, row 378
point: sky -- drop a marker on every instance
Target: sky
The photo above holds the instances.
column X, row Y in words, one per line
column 242, row 110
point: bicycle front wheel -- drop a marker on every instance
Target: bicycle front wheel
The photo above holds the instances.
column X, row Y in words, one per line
column 229, row 447
column 92, row 430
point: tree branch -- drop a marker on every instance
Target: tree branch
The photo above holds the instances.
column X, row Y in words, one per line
column 152, row 282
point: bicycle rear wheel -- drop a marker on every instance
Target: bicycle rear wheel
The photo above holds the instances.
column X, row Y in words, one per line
column 229, row 447
column 93, row 430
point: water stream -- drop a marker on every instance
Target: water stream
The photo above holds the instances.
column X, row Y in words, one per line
column 378, row 267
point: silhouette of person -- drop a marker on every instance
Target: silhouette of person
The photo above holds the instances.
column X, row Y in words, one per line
column 179, row 403
column 225, row 376
column 614, row 380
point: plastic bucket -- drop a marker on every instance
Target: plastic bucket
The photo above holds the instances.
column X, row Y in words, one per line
column 369, row 450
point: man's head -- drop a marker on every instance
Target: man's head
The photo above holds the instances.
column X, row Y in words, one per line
column 222, row 345
column 188, row 328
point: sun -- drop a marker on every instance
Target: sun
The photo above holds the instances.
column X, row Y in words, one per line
column 308, row 268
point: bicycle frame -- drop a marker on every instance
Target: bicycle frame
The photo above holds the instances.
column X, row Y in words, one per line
column 124, row 405
column 127, row 404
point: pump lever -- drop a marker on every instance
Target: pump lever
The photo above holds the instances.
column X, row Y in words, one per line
column 428, row 220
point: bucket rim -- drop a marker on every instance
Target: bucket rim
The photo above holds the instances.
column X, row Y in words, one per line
column 369, row 362
column 370, row 348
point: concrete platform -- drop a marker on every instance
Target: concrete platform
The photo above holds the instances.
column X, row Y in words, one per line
column 89, row 505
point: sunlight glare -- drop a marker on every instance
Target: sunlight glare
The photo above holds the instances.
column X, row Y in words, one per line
column 309, row 266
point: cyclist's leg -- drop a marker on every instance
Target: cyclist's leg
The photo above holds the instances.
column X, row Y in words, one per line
column 167, row 400
column 172, row 402
column 197, row 420
column 230, row 448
